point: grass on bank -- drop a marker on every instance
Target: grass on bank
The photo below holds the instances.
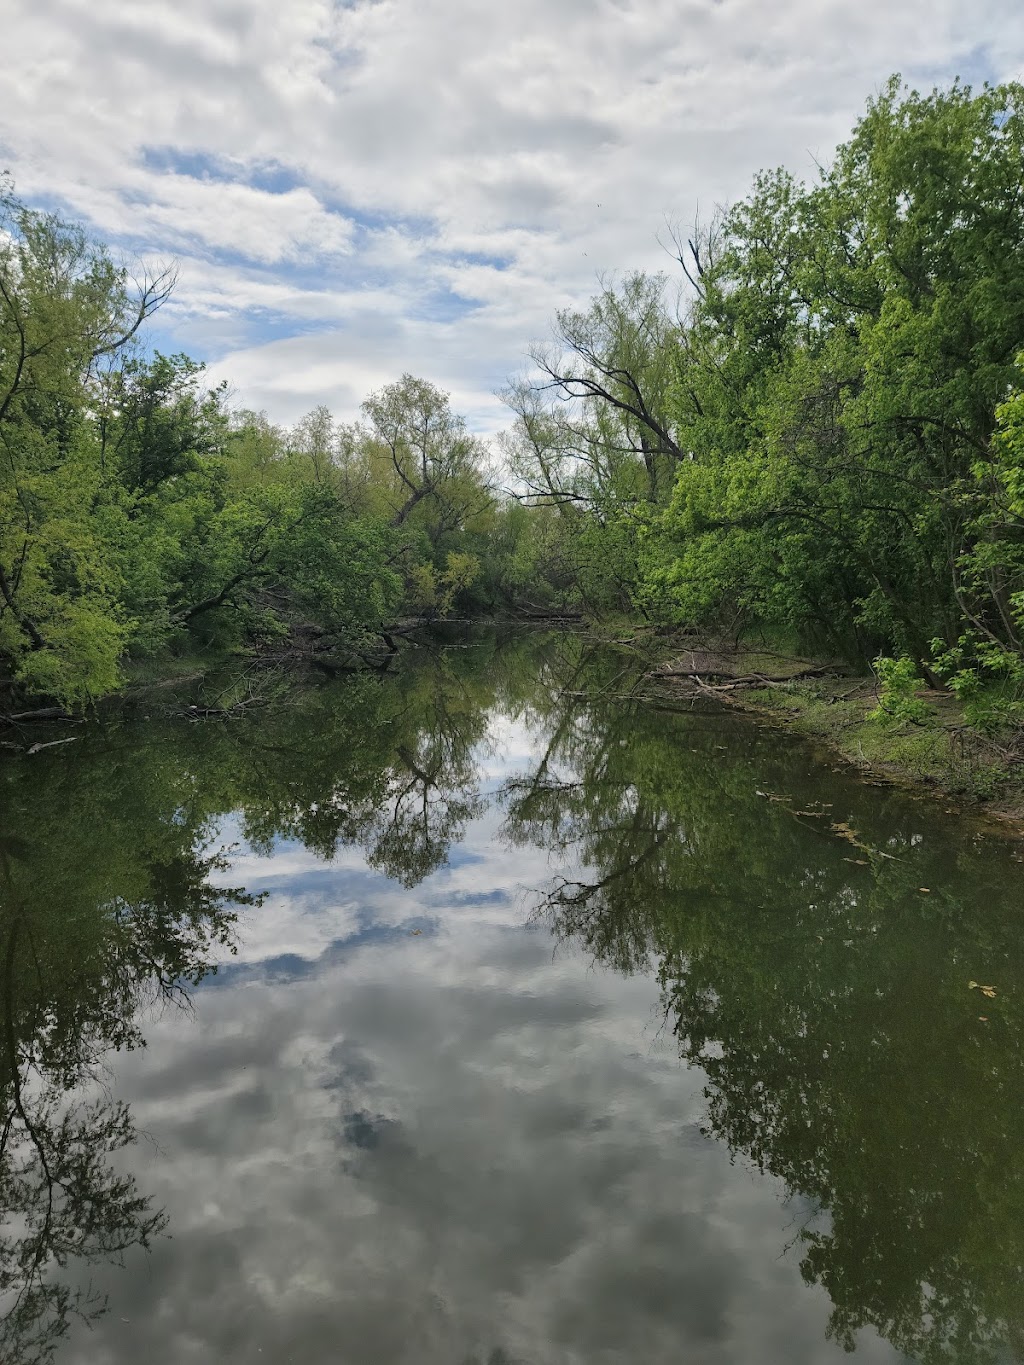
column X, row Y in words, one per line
column 939, row 750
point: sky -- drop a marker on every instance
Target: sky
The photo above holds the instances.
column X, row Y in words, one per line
column 355, row 189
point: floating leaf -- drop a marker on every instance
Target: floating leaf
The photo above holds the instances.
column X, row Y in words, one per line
column 847, row 832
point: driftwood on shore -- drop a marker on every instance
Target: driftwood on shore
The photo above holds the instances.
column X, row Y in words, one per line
column 723, row 671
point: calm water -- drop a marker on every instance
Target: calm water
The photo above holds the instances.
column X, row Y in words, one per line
column 544, row 1030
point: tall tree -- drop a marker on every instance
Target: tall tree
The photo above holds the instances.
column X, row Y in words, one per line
column 65, row 309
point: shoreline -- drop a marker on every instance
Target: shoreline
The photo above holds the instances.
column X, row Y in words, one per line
column 824, row 702
column 945, row 759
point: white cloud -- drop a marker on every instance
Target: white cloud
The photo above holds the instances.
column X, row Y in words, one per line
column 262, row 226
column 343, row 168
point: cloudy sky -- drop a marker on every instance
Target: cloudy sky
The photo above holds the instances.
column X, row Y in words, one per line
column 357, row 188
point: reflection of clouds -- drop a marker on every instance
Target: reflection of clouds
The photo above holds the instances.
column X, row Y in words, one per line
column 439, row 1147
column 312, row 905
column 509, row 749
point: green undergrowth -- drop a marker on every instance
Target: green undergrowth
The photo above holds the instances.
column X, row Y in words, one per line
column 943, row 752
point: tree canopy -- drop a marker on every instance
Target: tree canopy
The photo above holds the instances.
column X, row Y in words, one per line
column 818, row 438
column 822, row 439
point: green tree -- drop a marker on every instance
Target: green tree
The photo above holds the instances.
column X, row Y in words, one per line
column 843, row 359
column 65, row 309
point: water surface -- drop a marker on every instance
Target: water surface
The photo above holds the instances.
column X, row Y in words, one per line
column 491, row 1017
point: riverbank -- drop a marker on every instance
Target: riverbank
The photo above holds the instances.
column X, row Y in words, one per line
column 821, row 700
column 834, row 707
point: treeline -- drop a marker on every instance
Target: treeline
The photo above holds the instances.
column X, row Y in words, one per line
column 140, row 515
column 824, row 439
column 819, row 440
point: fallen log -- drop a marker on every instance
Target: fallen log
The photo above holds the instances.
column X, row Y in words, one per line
column 41, row 713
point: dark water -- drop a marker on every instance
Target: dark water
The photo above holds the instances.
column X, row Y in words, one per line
column 544, row 1030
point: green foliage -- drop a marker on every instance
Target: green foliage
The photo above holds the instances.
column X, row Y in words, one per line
column 434, row 592
column 861, row 333
column 138, row 515
column 827, row 445
column 898, row 701
column 336, row 566
column 822, row 445
column 987, row 680
column 64, row 307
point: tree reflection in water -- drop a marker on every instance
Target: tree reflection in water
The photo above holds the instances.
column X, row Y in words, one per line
column 822, row 991
column 107, row 910
column 75, row 978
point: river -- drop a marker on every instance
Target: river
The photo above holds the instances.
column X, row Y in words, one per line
column 481, row 1015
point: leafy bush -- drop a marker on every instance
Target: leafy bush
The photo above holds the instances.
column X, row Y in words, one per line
column 898, row 702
